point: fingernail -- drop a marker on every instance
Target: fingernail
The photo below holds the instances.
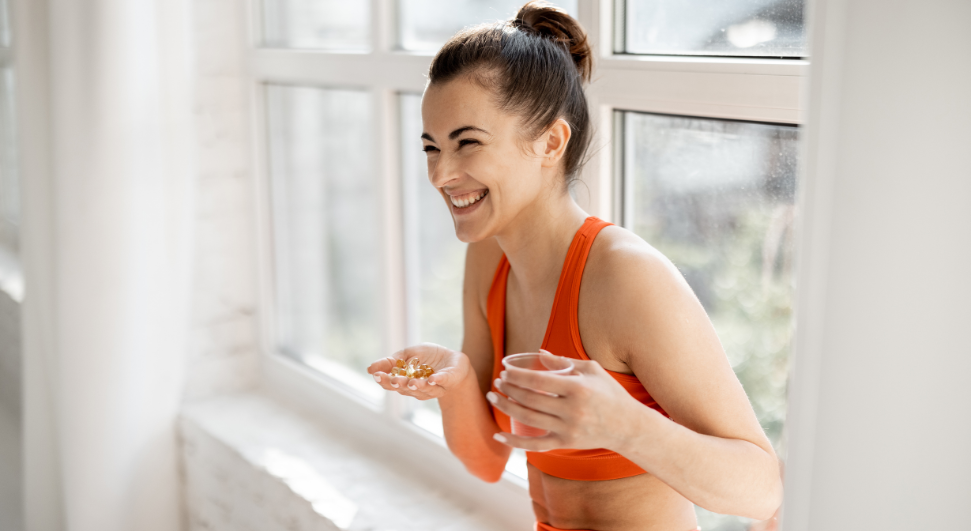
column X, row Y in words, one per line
column 491, row 397
column 496, row 382
column 431, row 383
column 394, row 385
column 502, row 375
column 413, row 387
column 499, row 437
column 377, row 378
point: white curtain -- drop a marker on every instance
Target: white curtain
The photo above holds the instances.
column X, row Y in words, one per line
column 107, row 238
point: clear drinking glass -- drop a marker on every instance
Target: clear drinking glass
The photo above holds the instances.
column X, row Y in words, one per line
column 534, row 362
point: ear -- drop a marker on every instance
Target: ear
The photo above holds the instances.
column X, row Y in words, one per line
column 557, row 137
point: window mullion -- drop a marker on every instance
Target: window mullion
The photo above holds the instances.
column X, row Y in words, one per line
column 387, row 157
column 383, row 35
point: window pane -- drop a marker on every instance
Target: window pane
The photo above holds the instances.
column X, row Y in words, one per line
column 321, row 24
column 435, row 258
column 717, row 198
column 4, row 23
column 435, row 264
column 9, row 178
column 426, row 24
column 326, row 214
column 771, row 28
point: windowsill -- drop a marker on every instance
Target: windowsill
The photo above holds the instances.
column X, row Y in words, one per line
column 275, row 465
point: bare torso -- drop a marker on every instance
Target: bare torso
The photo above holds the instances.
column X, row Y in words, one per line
column 640, row 502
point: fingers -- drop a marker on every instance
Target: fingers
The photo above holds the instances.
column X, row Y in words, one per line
column 551, row 405
column 556, row 384
column 382, row 365
column 587, row 367
column 413, row 387
column 444, row 379
column 523, row 414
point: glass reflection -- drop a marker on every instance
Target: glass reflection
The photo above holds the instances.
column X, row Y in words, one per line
column 9, row 177
column 771, row 28
column 718, row 198
column 4, row 24
column 435, row 258
column 326, row 214
column 320, row 24
column 425, row 25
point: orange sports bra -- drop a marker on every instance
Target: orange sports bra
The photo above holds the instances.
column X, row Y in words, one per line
column 563, row 339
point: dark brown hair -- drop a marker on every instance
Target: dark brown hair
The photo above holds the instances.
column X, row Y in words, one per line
column 535, row 64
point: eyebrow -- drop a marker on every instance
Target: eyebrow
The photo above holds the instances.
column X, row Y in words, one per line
column 455, row 134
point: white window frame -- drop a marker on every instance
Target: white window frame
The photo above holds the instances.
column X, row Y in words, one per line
column 761, row 90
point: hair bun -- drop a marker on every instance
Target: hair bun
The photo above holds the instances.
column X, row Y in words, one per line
column 552, row 22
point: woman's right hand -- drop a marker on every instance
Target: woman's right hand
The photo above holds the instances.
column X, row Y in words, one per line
column 451, row 367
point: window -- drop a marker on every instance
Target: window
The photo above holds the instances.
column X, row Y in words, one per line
column 434, row 257
column 9, row 178
column 425, row 25
column 327, row 232
column 718, row 198
column 4, row 24
column 757, row 28
column 695, row 151
column 321, row 24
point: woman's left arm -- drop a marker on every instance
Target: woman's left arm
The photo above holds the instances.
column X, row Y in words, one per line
column 713, row 450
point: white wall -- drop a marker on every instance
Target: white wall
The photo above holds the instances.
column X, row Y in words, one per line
column 224, row 347
column 880, row 401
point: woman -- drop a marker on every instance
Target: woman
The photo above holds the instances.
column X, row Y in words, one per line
column 506, row 126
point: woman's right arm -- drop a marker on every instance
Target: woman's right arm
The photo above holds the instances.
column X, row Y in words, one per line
column 467, row 416
column 461, row 379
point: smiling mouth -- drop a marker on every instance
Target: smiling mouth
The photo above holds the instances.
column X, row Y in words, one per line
column 467, row 200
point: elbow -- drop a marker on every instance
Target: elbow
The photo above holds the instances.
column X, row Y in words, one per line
column 770, row 503
column 491, row 474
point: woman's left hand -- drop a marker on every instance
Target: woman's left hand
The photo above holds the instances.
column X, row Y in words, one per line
column 590, row 409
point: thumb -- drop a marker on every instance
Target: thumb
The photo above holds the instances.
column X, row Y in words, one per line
column 553, row 362
column 587, row 367
column 444, row 378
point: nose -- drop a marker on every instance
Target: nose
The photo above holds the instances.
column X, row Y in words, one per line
column 443, row 170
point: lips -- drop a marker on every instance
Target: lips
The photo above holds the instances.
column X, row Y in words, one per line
column 469, row 199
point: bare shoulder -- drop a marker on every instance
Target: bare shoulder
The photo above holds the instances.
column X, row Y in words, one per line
column 628, row 289
column 622, row 264
column 481, row 260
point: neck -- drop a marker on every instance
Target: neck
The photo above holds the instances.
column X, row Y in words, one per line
column 536, row 242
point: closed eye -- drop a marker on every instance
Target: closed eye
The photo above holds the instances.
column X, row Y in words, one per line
column 429, row 149
column 468, row 141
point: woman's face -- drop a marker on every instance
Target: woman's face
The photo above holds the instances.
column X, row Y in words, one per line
column 479, row 160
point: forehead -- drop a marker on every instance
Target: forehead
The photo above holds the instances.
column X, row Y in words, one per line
column 459, row 103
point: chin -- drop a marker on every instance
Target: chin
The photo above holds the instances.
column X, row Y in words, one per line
column 469, row 236
column 470, row 232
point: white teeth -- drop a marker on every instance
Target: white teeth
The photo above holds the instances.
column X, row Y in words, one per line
column 462, row 203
